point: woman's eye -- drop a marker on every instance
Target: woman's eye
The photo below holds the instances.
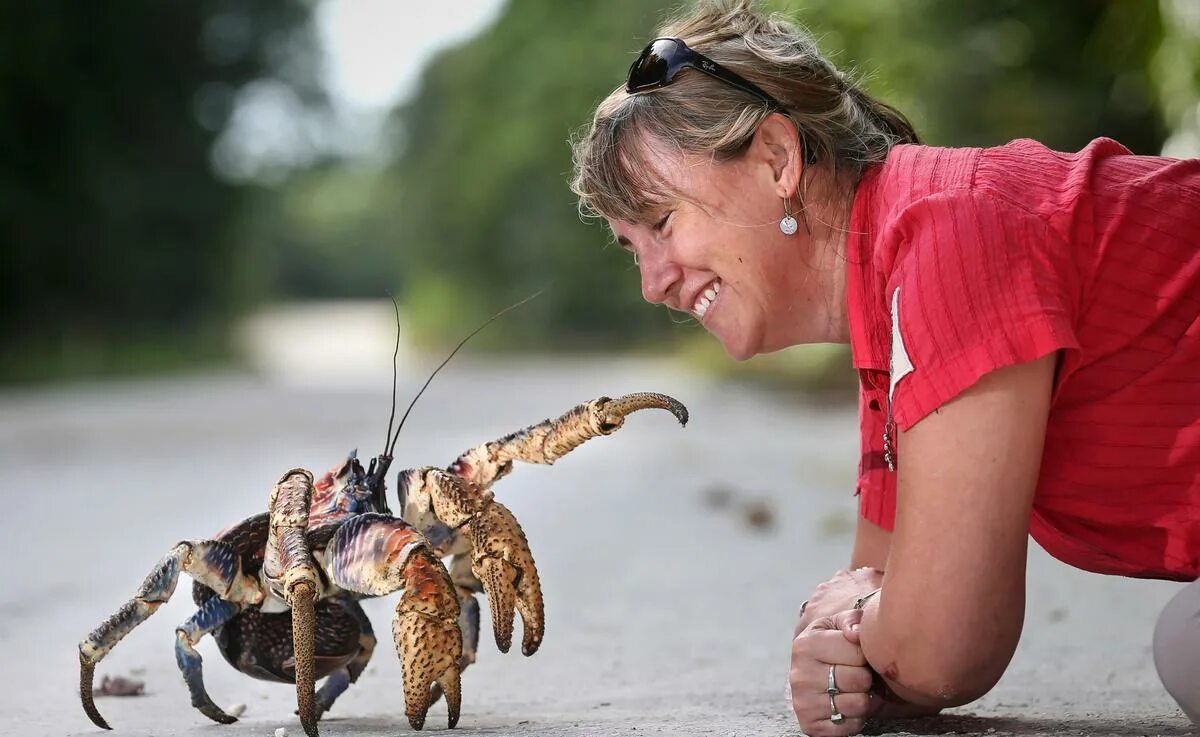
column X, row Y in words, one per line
column 662, row 223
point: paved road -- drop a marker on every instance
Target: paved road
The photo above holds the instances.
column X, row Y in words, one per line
column 666, row 613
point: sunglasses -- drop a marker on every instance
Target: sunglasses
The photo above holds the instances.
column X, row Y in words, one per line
column 662, row 59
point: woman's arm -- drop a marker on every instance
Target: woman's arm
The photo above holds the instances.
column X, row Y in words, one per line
column 948, row 620
column 871, row 545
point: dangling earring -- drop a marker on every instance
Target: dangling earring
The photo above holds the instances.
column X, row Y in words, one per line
column 788, row 224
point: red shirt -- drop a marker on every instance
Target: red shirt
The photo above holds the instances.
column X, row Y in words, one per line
column 998, row 256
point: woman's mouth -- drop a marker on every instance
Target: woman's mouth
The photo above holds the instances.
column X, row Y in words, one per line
column 704, row 302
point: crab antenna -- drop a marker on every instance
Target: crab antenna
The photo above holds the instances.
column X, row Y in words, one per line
column 461, row 343
column 395, row 352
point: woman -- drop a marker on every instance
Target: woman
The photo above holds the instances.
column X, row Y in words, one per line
column 1025, row 323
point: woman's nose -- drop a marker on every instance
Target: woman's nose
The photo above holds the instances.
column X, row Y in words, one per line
column 659, row 277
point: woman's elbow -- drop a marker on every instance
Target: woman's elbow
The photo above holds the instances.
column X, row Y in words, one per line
column 942, row 678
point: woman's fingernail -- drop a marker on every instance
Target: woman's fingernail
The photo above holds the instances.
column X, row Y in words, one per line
column 854, row 627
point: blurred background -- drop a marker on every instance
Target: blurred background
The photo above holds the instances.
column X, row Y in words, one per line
column 181, row 182
column 204, row 205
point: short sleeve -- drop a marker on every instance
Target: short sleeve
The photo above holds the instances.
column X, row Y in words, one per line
column 876, row 487
column 980, row 284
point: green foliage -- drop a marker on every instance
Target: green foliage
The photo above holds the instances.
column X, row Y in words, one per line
column 981, row 74
column 481, row 201
column 121, row 248
column 115, row 232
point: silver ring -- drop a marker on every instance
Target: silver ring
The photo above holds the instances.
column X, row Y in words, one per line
column 832, row 688
column 835, row 716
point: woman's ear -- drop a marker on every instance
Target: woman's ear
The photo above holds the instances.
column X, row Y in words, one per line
column 776, row 145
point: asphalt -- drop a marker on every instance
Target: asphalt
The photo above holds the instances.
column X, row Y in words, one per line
column 673, row 559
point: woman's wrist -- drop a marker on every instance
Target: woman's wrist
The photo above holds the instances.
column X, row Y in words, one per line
column 862, row 600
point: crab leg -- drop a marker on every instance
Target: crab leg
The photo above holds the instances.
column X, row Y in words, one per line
column 290, row 572
column 376, row 554
column 542, row 443
column 550, row 440
column 500, row 556
column 214, row 564
column 467, row 586
column 214, row 613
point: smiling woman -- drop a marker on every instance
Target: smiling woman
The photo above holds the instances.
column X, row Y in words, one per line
column 1016, row 315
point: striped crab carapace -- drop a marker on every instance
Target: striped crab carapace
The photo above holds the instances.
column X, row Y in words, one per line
column 324, row 544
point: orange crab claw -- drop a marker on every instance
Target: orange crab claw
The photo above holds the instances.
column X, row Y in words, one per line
column 426, row 633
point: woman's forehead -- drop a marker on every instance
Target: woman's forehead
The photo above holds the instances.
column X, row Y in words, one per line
column 659, row 174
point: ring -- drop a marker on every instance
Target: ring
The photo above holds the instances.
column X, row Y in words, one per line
column 835, row 716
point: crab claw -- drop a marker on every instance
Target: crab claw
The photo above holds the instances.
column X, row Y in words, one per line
column 426, row 633
column 612, row 412
column 504, row 564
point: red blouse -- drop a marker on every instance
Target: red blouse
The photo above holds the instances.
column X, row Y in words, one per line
column 994, row 257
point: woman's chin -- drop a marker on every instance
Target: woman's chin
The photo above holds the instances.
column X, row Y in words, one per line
column 738, row 349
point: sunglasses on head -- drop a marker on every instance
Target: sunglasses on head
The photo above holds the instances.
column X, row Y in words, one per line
column 662, row 59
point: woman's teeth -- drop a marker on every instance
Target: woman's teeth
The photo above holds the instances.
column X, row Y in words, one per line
column 706, row 298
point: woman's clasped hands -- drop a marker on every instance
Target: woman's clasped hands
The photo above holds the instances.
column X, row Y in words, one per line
column 831, row 686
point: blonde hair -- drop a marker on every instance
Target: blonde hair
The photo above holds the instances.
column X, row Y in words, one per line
column 838, row 123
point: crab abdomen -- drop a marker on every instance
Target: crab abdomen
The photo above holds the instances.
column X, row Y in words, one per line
column 260, row 643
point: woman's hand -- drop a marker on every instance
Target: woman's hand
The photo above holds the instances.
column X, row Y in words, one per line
column 838, row 594
column 830, row 646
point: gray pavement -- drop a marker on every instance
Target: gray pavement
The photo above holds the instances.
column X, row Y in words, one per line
column 667, row 612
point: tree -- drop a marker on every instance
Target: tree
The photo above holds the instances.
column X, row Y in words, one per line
column 115, row 229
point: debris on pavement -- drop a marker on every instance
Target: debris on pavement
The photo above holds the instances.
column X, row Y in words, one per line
column 717, row 496
column 119, row 686
column 758, row 514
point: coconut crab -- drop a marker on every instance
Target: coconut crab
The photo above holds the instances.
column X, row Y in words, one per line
column 324, row 544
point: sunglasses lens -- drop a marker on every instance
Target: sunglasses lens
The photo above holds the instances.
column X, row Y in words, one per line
column 655, row 67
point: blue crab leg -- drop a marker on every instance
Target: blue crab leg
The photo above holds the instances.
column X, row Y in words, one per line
column 214, row 613
column 467, row 586
column 339, row 680
column 213, row 563
column 376, row 554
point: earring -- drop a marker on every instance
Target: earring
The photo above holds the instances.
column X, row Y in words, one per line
column 788, row 224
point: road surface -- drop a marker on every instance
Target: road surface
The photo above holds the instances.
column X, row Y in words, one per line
column 669, row 603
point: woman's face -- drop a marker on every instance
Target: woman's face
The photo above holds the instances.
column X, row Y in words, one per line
column 717, row 253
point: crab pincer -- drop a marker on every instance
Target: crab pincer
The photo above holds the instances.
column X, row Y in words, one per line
column 500, row 555
column 426, row 631
column 502, row 561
